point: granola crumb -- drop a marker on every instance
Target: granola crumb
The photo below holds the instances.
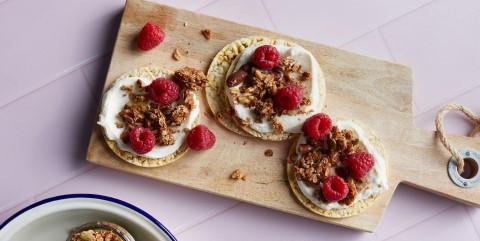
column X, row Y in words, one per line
column 238, row 175
column 185, row 24
column 192, row 78
column 176, row 54
column 119, row 125
column 207, row 33
column 268, row 152
column 277, row 126
column 96, row 235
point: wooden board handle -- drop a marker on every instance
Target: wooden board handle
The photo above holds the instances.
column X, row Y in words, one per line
column 423, row 164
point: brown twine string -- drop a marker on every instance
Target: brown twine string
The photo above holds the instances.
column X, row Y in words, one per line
column 441, row 131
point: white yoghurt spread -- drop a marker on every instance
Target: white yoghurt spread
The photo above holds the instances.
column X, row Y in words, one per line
column 377, row 181
column 113, row 102
column 290, row 123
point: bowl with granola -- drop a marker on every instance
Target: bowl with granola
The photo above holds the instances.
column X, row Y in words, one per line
column 83, row 217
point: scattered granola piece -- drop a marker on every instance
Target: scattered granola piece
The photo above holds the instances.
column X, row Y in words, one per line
column 185, row 24
column 192, row 78
column 238, row 175
column 179, row 114
column 207, row 33
column 119, row 125
column 176, row 54
column 277, row 126
column 268, row 152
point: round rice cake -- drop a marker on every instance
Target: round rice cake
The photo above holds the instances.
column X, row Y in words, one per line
column 221, row 67
column 356, row 208
column 150, row 73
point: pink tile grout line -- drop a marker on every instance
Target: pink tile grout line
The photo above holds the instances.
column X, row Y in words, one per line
column 184, row 229
column 446, row 101
column 34, row 197
column 386, row 23
column 422, row 221
column 58, row 76
column 472, row 221
column 88, row 168
column 265, row 8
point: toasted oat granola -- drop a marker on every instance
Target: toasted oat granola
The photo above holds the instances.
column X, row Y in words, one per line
column 238, row 175
column 323, row 158
column 259, row 86
column 96, row 235
column 161, row 120
column 207, row 33
column 192, row 78
column 176, row 55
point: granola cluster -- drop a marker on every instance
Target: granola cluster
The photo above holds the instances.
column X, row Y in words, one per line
column 259, row 86
column 163, row 121
column 326, row 157
column 96, row 235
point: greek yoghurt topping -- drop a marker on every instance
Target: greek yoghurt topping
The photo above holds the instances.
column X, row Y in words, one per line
column 113, row 102
column 290, row 123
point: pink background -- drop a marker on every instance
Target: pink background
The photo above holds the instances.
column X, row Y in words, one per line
column 53, row 59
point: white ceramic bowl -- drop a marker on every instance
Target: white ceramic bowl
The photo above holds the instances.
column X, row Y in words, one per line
column 53, row 218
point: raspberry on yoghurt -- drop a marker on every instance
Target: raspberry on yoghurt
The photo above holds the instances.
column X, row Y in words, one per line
column 141, row 139
column 288, row 97
column 266, row 57
column 163, row 91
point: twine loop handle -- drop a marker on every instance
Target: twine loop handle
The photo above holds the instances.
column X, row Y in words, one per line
column 441, row 131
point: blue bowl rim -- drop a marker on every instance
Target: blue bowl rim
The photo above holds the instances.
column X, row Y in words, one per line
column 92, row 196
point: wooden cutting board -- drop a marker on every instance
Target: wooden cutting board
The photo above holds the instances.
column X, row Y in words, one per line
column 375, row 92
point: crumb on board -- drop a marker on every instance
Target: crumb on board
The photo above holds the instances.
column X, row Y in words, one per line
column 185, row 24
column 176, row 54
column 207, row 33
column 238, row 175
column 268, row 152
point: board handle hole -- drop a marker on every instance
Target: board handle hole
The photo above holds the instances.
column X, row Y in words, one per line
column 470, row 168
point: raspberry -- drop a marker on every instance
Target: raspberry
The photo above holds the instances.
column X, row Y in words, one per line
column 288, row 97
column 200, row 138
column 334, row 188
column 141, row 139
column 150, row 36
column 317, row 126
column 163, row 91
column 266, row 57
column 359, row 164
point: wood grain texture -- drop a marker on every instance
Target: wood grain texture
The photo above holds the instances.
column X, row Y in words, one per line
column 375, row 92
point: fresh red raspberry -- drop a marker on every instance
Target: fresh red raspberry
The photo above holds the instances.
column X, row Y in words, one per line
column 163, row 91
column 150, row 36
column 359, row 164
column 200, row 138
column 288, row 97
column 266, row 57
column 334, row 188
column 141, row 139
column 317, row 126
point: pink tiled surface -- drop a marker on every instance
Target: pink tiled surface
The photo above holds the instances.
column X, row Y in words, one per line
column 54, row 57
